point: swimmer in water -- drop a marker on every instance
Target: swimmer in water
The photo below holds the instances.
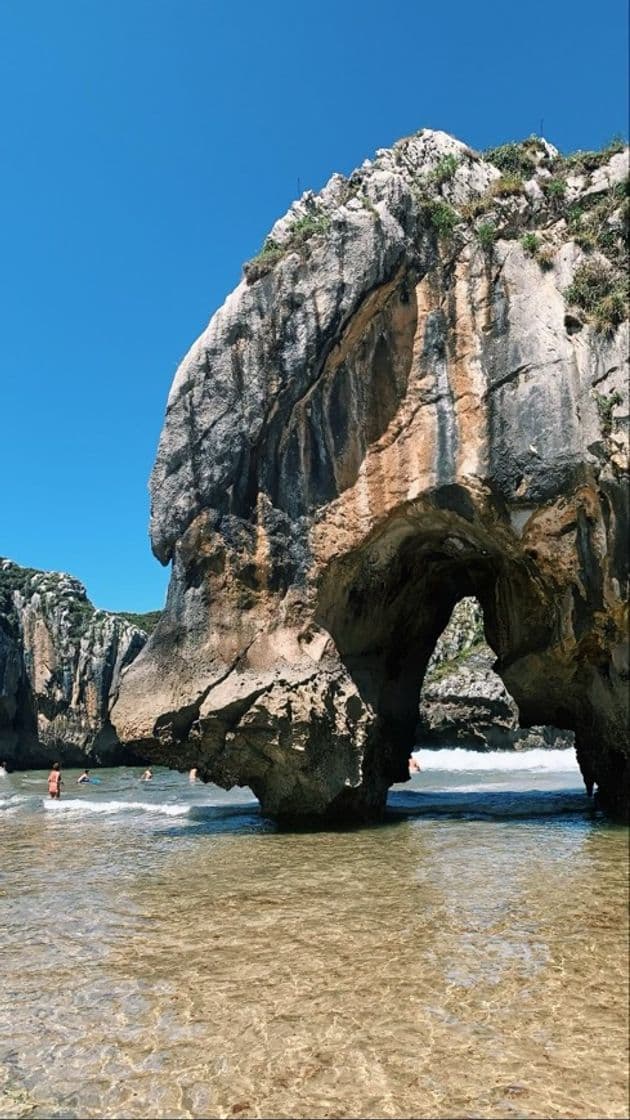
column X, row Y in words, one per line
column 414, row 765
column 3, row 770
column 84, row 777
column 147, row 776
column 192, row 777
column 55, row 782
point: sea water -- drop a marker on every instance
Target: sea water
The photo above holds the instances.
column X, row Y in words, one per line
column 168, row 952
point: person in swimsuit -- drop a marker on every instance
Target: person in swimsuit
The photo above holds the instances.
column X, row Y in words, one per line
column 414, row 765
column 192, row 776
column 147, row 776
column 55, row 781
column 84, row 777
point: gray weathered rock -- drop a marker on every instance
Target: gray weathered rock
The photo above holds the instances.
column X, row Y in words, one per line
column 60, row 666
column 398, row 407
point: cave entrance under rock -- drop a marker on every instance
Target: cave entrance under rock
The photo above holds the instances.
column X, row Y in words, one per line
column 464, row 703
column 386, row 604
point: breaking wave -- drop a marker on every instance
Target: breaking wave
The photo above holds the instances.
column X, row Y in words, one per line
column 83, row 807
column 456, row 758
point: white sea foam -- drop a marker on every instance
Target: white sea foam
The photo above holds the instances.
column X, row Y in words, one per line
column 457, row 758
column 14, row 802
column 83, row 807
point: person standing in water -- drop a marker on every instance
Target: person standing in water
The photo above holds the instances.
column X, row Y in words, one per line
column 192, row 776
column 147, row 776
column 55, row 782
column 414, row 765
column 84, row 777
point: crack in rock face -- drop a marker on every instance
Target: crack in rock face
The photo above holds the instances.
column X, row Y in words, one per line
column 393, row 411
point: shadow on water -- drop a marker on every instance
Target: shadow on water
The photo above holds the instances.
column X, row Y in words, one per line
column 240, row 820
column 402, row 805
column 213, row 820
column 496, row 805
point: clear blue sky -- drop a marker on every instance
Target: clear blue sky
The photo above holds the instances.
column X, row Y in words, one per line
column 148, row 145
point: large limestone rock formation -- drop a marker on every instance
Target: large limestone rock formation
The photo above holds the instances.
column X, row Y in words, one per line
column 60, row 664
column 464, row 703
column 417, row 393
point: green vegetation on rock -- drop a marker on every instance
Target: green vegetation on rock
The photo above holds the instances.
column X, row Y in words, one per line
column 584, row 162
column 518, row 158
column 444, row 170
column 554, row 188
column 146, row 622
column 486, row 235
column 606, row 405
column 530, row 243
column 440, row 217
column 309, row 225
column 507, row 185
column 600, row 293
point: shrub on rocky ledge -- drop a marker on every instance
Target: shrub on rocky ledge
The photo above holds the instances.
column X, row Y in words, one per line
column 545, row 257
column 606, row 405
column 263, row 262
column 599, row 292
column 444, row 170
column 530, row 243
column 507, row 185
column 310, row 225
column 612, row 309
column 592, row 281
column 486, row 235
column 555, row 190
column 518, row 158
column 581, row 162
column 440, row 216
column 478, row 206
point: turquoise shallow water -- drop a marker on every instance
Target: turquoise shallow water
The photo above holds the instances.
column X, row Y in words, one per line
column 168, row 952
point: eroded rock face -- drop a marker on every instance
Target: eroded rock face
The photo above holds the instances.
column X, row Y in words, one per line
column 397, row 408
column 60, row 665
column 465, row 704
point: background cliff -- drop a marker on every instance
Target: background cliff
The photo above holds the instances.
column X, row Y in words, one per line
column 418, row 393
column 60, row 666
column 464, row 702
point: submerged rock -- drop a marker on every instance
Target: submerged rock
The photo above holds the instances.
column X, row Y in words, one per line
column 417, row 393
column 60, row 666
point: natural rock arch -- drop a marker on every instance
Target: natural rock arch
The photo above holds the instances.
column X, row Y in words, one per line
column 386, row 604
column 380, row 421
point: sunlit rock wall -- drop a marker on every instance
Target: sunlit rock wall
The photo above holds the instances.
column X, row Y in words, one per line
column 60, row 665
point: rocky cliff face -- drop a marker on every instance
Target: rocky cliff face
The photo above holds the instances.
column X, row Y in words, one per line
column 60, row 666
column 464, row 703
column 417, row 393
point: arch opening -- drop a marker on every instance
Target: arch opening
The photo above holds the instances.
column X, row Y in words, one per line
column 465, row 704
column 386, row 604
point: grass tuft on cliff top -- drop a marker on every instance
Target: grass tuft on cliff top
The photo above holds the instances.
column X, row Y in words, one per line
column 309, row 225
